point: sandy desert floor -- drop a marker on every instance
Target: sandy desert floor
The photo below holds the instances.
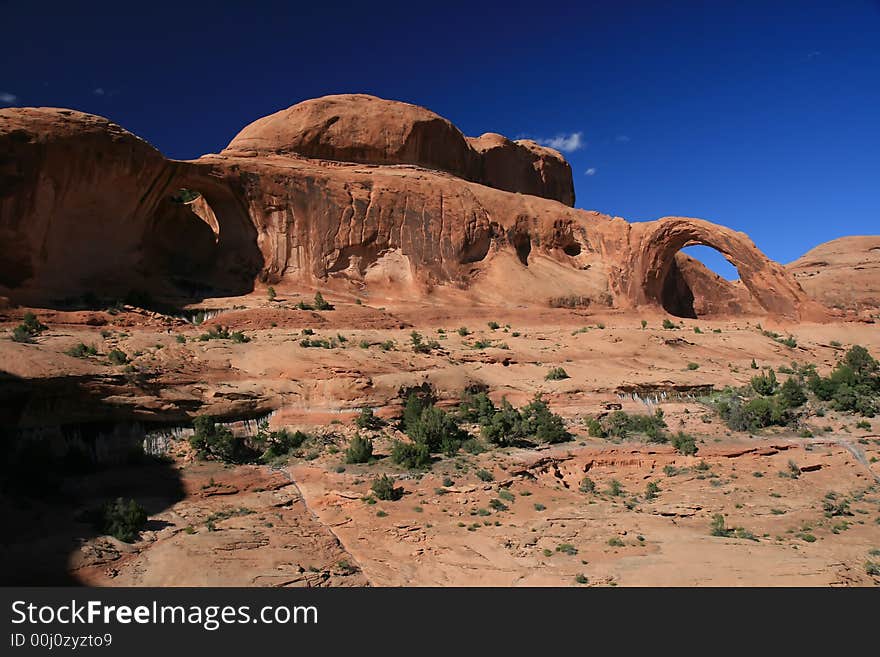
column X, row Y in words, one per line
column 503, row 517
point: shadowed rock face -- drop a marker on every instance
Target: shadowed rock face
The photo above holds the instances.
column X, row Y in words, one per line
column 336, row 188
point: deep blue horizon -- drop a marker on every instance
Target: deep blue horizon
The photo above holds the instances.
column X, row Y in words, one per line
column 762, row 116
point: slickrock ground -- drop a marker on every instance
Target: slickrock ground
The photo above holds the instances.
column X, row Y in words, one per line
column 310, row 522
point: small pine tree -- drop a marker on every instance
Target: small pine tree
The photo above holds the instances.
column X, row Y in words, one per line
column 360, row 450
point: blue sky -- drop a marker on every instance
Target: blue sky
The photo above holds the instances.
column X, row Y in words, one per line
column 762, row 116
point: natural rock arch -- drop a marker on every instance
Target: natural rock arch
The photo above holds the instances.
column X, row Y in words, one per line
column 652, row 255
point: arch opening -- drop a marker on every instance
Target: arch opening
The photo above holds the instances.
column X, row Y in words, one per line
column 203, row 242
column 691, row 288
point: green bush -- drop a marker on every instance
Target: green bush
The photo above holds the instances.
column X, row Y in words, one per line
column 684, row 443
column 667, row 324
column 853, row 385
column 321, row 304
column 504, row 427
column 420, row 346
column 791, row 394
column 81, row 350
column 214, row 441
column 411, row 455
column 540, row 422
column 476, row 407
column 360, row 450
column 123, row 519
column 270, row 293
column 765, row 383
column 718, row 528
column 30, row 328
column 556, row 374
column 620, row 424
column 485, row 475
column 117, row 357
column 277, row 444
column 368, row 421
column 384, row 489
column 753, row 414
column 437, row 430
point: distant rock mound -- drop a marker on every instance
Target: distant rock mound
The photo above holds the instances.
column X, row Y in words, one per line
column 353, row 192
column 842, row 274
column 369, row 130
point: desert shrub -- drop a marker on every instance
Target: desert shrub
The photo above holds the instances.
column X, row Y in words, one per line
column 540, row 422
column 410, row 455
column 509, row 426
column 420, row 346
column 214, row 441
column 753, row 414
column 503, row 427
column 307, row 343
column 693, row 366
column 494, row 326
column 368, row 421
column 416, row 399
column 280, row 443
column 436, row 429
column 620, row 424
column 556, row 374
column 718, row 527
column 360, row 450
column 668, row 324
column 485, row 475
column 123, row 519
column 684, row 443
column 644, row 323
column 853, row 385
column 117, row 357
column 651, row 490
column 765, row 383
column 29, row 328
column 476, row 407
column 587, row 485
column 383, row 488
column 569, row 301
column 321, row 304
column 270, row 293
column 81, row 350
column 791, row 394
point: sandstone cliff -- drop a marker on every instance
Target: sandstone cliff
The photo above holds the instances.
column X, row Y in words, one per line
column 353, row 189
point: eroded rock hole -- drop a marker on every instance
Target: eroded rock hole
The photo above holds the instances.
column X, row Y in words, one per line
column 572, row 249
column 523, row 246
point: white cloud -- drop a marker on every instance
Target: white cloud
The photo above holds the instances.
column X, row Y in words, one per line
column 623, row 139
column 565, row 143
column 8, row 98
column 99, row 91
column 590, row 172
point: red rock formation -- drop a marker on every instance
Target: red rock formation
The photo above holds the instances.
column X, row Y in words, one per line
column 843, row 273
column 369, row 130
column 84, row 203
